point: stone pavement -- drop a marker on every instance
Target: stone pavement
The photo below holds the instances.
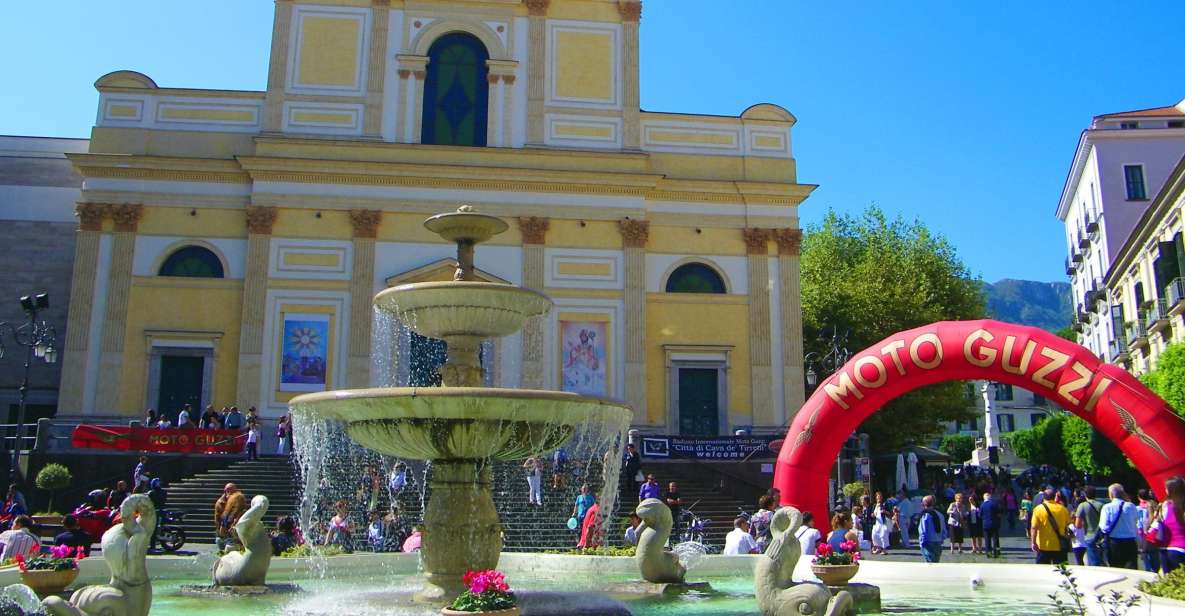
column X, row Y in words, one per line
column 1014, row 549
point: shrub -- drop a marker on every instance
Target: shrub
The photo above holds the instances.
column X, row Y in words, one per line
column 628, row 550
column 1171, row 586
column 958, row 446
column 853, row 491
column 310, row 551
column 53, row 477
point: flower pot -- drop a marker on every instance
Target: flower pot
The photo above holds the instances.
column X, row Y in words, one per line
column 46, row 582
column 507, row 612
column 835, row 575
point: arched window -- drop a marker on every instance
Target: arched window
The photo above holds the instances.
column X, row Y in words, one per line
column 456, row 93
column 695, row 278
column 192, row 262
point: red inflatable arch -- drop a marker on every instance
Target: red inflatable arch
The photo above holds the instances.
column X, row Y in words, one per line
column 1143, row 426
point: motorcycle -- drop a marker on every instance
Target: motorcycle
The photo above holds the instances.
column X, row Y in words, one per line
column 169, row 533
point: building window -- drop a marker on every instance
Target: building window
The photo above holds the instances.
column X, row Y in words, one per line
column 1133, row 178
column 967, row 426
column 456, row 92
column 695, row 278
column 192, row 262
column 1129, row 125
column 1176, row 124
column 1004, row 422
column 1036, row 418
column 1003, row 392
column 1038, row 400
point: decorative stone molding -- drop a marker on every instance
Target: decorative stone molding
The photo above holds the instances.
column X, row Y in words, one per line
column 634, row 233
column 537, row 8
column 420, row 74
column 493, row 79
column 126, row 216
column 90, row 216
column 756, row 240
column 366, row 222
column 789, row 241
column 404, row 73
column 630, row 11
column 260, row 219
column 534, row 229
column 508, row 79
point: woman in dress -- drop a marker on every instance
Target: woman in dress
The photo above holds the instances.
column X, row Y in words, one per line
column 956, row 522
column 975, row 525
column 883, row 526
column 585, row 500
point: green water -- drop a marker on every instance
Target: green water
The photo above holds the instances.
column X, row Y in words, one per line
column 733, row 597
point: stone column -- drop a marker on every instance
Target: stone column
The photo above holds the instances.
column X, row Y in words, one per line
column 760, row 355
column 377, row 67
column 631, row 15
column 534, row 231
column 277, row 75
column 634, row 234
column 412, row 71
column 789, row 274
column 536, row 54
column 366, row 226
column 259, row 234
column 115, row 318
column 82, row 298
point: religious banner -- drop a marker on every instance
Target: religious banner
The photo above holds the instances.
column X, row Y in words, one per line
column 304, row 351
column 707, row 448
column 157, row 440
column 583, row 364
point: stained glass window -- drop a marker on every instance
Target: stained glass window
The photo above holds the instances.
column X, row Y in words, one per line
column 192, row 262
column 456, row 93
column 695, row 278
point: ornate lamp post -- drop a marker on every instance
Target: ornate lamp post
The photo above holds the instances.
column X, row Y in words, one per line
column 39, row 340
column 825, row 363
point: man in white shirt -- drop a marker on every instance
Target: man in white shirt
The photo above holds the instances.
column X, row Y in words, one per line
column 808, row 536
column 20, row 540
column 631, row 531
column 739, row 541
column 183, row 417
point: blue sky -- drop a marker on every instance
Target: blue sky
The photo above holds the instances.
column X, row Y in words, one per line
column 962, row 114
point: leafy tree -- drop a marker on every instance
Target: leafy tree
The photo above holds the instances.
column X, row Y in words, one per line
column 1041, row 444
column 1068, row 333
column 958, row 446
column 53, row 477
column 1168, row 379
column 871, row 277
column 1088, row 451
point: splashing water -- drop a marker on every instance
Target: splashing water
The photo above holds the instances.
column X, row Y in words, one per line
column 689, row 553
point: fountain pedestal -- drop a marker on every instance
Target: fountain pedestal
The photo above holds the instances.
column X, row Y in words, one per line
column 461, row 528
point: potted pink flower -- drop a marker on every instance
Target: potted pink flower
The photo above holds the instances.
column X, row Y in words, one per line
column 836, row 567
column 486, row 593
column 50, row 574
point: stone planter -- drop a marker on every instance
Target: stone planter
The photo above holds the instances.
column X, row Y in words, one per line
column 47, row 582
column 451, row 612
column 835, row 575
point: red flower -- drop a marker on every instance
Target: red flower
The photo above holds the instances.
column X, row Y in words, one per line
column 20, row 562
column 823, row 549
column 847, row 546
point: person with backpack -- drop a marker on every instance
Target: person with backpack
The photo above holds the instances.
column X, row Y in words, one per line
column 931, row 531
column 1050, row 522
column 1118, row 528
column 1086, row 518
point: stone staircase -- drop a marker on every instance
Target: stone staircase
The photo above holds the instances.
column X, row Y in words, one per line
column 700, row 491
column 275, row 477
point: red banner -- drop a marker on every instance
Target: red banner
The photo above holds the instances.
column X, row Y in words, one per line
column 158, row 440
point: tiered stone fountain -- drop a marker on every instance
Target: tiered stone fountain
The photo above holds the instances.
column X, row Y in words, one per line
column 461, row 426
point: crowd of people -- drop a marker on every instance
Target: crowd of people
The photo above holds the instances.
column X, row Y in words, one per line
column 228, row 418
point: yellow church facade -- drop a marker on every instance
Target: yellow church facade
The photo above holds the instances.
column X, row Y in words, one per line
column 230, row 242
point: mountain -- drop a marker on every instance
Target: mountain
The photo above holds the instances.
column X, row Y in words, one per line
column 1028, row 302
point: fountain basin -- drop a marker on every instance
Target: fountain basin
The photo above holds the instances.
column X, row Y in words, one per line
column 461, row 423
column 467, row 309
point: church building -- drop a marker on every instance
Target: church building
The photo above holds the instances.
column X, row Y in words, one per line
column 229, row 242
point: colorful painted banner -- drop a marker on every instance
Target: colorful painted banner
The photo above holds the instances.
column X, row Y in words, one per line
column 157, row 440
column 708, row 448
column 584, row 364
column 305, row 352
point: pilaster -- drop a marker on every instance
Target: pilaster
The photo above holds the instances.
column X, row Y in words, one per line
column 412, row 71
column 534, row 232
column 634, row 235
column 377, row 67
column 793, row 375
column 273, row 111
column 631, row 15
column 115, row 318
column 82, row 299
column 259, row 231
column 366, row 224
column 536, row 54
column 760, row 354
column 501, row 78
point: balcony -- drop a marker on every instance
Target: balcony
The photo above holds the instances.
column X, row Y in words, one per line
column 1084, row 243
column 1117, row 350
column 1092, row 227
column 1156, row 319
column 1076, row 257
column 1176, row 294
column 1069, row 267
column 1137, row 335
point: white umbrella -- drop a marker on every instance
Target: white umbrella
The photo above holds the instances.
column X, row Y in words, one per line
column 901, row 477
column 912, row 478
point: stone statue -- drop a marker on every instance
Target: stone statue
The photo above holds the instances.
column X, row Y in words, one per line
column 777, row 592
column 656, row 564
column 249, row 567
column 125, row 547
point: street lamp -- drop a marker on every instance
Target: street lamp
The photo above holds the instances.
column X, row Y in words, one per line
column 39, row 340
column 828, row 361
